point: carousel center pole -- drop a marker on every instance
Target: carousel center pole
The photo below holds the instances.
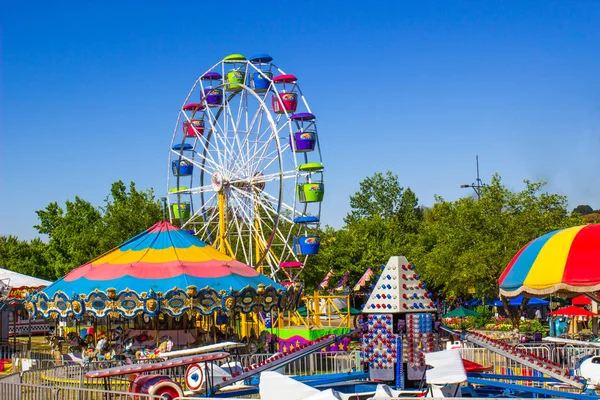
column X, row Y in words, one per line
column 156, row 329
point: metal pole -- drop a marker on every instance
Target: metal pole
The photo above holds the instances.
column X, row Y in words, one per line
column 15, row 331
column 29, row 326
column 399, row 366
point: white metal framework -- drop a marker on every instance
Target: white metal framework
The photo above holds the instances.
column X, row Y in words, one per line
column 233, row 165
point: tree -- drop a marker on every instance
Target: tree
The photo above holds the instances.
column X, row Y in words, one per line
column 24, row 257
column 583, row 209
column 84, row 232
column 467, row 243
column 74, row 234
column 127, row 213
column 379, row 195
column 383, row 221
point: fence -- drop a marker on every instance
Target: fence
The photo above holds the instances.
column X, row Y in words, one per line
column 22, row 391
column 321, row 362
column 567, row 357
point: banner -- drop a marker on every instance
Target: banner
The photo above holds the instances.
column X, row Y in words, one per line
column 363, row 280
column 325, row 282
column 343, row 280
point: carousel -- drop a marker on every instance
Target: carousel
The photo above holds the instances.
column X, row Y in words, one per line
column 163, row 282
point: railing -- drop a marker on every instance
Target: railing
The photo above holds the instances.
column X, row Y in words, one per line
column 22, row 391
column 321, row 362
column 326, row 362
column 501, row 364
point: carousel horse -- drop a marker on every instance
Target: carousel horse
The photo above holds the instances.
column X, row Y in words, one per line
column 165, row 345
column 76, row 343
column 101, row 349
column 128, row 352
column 88, row 355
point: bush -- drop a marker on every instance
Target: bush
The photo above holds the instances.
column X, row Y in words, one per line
column 532, row 326
column 487, row 315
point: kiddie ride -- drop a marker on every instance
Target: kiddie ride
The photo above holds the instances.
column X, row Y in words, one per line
column 208, row 371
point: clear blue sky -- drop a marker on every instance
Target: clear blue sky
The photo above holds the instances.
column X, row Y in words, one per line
column 91, row 91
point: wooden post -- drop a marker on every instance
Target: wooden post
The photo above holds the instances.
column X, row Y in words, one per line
column 156, row 329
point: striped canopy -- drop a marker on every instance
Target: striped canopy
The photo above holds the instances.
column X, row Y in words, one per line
column 161, row 269
column 566, row 261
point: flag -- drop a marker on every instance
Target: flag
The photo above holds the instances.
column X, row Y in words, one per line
column 325, row 282
column 343, row 280
column 363, row 280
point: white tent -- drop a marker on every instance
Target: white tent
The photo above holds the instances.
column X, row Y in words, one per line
column 14, row 279
column 10, row 301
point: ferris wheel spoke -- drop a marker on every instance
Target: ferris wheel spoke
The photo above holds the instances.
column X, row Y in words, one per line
column 245, row 145
column 240, row 242
column 218, row 132
column 203, row 168
column 287, row 207
column 269, row 213
column 193, row 218
column 272, row 157
column 285, row 242
column 261, row 154
column 279, row 233
column 235, row 142
column 192, row 160
column 254, row 158
column 201, row 189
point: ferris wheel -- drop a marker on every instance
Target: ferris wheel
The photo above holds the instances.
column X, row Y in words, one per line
column 245, row 167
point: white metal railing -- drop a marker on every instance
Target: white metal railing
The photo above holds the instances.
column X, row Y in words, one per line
column 501, row 364
column 22, row 391
column 321, row 362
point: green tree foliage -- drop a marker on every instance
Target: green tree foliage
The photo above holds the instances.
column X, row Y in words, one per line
column 384, row 219
column 467, row 243
column 82, row 232
column 74, row 234
column 379, row 195
column 583, row 209
column 27, row 258
column 126, row 213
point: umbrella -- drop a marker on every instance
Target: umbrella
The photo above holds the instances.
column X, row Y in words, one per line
column 573, row 311
column 582, row 300
column 517, row 301
column 566, row 260
column 461, row 312
column 162, row 270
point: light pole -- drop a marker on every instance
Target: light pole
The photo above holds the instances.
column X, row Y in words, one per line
column 478, row 184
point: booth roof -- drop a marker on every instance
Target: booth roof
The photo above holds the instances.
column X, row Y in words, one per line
column 16, row 280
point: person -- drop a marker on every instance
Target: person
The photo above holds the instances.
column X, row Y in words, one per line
column 538, row 314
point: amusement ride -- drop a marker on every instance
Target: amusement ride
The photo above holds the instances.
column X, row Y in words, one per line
column 245, row 166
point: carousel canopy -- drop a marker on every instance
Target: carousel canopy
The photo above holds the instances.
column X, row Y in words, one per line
column 566, row 261
column 163, row 269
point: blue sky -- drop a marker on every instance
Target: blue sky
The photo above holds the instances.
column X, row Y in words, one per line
column 91, row 91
